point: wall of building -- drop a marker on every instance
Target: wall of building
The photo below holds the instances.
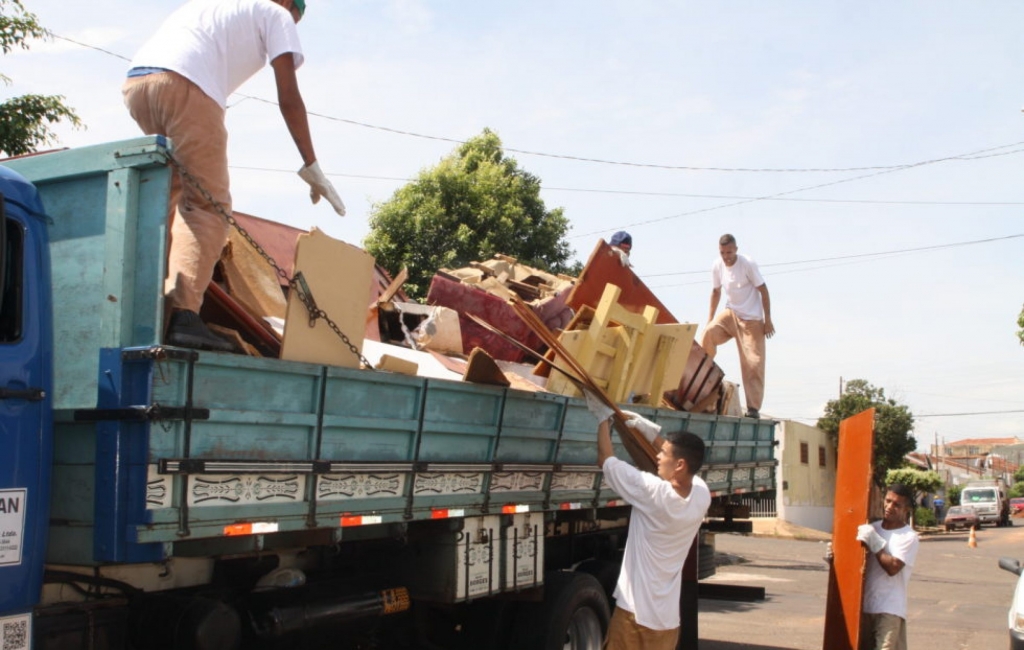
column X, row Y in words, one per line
column 807, row 476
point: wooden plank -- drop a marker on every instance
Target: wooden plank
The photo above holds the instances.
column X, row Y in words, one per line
column 853, row 494
column 340, row 277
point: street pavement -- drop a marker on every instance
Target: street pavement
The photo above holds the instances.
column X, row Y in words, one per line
column 958, row 596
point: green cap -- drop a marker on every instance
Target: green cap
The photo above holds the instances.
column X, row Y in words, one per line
column 301, row 6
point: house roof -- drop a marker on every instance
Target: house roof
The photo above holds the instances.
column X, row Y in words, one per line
column 977, row 442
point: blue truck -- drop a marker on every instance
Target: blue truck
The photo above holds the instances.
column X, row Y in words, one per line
column 158, row 497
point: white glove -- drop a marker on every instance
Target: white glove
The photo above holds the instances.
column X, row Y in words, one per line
column 320, row 186
column 623, row 257
column 599, row 409
column 642, row 425
column 867, row 534
column 829, row 555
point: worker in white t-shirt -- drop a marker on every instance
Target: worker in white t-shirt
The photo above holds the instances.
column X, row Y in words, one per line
column 667, row 512
column 178, row 86
column 747, row 317
column 893, row 547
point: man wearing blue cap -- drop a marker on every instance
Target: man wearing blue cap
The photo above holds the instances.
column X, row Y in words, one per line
column 178, row 86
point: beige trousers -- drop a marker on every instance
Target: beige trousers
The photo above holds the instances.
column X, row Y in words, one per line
column 624, row 633
column 883, row 632
column 749, row 335
column 168, row 104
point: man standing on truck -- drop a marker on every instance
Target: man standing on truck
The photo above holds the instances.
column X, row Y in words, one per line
column 893, row 545
column 178, row 86
column 747, row 317
column 667, row 513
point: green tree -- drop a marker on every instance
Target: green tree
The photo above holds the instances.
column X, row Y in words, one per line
column 920, row 481
column 476, row 202
column 1020, row 324
column 25, row 121
column 893, row 423
column 1017, row 490
column 953, row 494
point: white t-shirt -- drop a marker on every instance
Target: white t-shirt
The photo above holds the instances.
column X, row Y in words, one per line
column 883, row 593
column 219, row 44
column 739, row 283
column 661, row 528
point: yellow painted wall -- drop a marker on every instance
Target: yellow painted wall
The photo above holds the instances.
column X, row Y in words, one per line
column 806, row 484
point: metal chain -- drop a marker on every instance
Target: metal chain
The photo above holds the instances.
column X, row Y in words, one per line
column 301, row 292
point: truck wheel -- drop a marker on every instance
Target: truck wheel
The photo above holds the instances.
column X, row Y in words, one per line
column 573, row 616
column 606, row 572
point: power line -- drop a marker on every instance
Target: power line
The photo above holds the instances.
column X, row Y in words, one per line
column 899, row 251
column 794, row 191
column 549, row 188
column 879, row 168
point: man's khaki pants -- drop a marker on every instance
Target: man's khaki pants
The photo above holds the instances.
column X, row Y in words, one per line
column 624, row 633
column 168, row 104
column 883, row 632
column 749, row 335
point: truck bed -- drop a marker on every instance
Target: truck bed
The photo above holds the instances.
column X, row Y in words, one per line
column 163, row 452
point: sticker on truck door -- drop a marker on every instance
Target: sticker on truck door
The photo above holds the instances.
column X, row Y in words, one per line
column 12, row 525
column 16, row 632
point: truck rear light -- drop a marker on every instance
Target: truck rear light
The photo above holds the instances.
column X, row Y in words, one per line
column 359, row 520
column 251, row 528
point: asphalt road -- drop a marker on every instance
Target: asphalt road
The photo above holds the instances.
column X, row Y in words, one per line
column 958, row 596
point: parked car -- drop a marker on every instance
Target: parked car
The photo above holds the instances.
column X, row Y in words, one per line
column 961, row 517
column 1015, row 619
column 1016, row 505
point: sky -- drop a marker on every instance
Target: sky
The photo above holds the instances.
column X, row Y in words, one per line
column 866, row 155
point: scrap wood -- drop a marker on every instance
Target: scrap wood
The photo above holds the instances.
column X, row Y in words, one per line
column 641, row 451
column 522, row 347
column 396, row 285
column 481, row 369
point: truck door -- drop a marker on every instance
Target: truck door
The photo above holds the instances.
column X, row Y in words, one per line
column 26, row 419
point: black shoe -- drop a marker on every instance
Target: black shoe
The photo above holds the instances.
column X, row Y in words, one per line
column 752, row 413
column 187, row 330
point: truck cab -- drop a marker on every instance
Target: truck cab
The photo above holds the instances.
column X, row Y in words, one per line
column 26, row 371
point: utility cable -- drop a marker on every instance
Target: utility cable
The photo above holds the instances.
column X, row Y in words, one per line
column 881, row 168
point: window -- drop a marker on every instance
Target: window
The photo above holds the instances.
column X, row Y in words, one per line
column 804, row 453
column 821, row 457
column 10, row 293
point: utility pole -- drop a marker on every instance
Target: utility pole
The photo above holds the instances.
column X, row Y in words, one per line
column 840, row 388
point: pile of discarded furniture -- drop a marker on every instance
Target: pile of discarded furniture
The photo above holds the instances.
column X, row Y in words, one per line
column 495, row 321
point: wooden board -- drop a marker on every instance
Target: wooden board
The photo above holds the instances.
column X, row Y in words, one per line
column 604, row 267
column 339, row 276
column 853, row 494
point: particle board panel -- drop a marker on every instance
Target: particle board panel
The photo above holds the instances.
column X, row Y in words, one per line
column 338, row 275
column 251, row 280
column 853, row 495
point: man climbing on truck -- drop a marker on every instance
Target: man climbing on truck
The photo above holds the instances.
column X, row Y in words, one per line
column 667, row 513
column 178, row 86
column 747, row 317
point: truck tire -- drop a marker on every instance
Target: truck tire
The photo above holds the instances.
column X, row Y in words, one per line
column 606, row 572
column 574, row 615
